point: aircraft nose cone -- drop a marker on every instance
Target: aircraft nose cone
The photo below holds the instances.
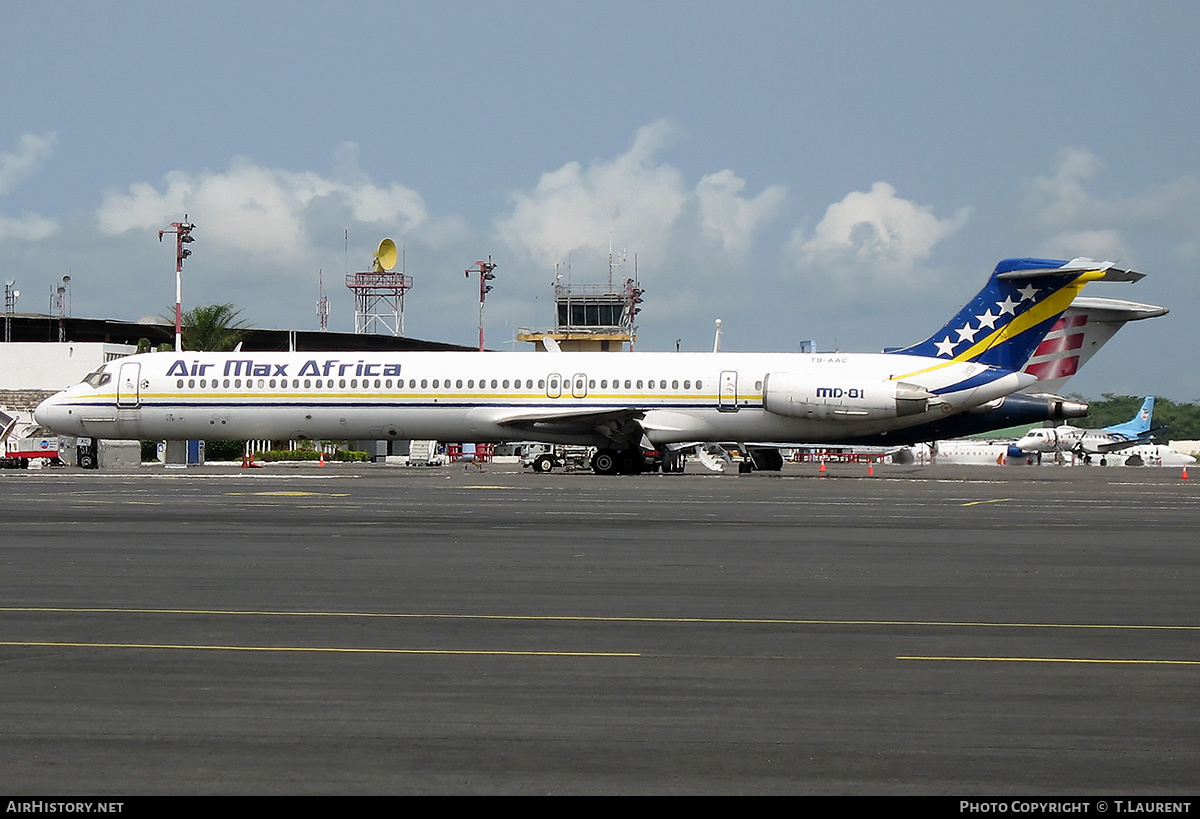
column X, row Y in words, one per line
column 49, row 414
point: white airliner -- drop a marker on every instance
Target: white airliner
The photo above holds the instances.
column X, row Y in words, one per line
column 617, row 403
column 965, row 452
column 1088, row 442
column 1155, row 455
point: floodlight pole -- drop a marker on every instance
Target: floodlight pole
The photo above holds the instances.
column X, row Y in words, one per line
column 183, row 235
column 484, row 269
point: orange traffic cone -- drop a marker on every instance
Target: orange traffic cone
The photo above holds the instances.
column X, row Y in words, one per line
column 870, row 469
column 321, row 461
column 1184, row 476
column 822, row 469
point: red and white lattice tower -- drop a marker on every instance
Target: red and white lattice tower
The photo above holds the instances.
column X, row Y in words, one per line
column 379, row 294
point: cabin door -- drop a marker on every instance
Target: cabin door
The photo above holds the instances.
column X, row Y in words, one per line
column 728, row 395
column 128, row 390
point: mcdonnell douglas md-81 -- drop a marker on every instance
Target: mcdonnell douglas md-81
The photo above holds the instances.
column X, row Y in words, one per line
column 616, row 403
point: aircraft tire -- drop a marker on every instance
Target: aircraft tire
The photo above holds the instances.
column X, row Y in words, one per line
column 604, row 462
column 630, row 462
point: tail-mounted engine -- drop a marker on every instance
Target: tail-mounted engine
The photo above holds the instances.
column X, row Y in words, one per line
column 799, row 395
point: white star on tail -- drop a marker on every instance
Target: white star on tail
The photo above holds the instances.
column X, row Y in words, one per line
column 1028, row 292
column 987, row 320
column 966, row 333
column 945, row 346
column 1008, row 306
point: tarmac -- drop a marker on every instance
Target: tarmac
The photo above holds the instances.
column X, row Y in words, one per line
column 356, row 629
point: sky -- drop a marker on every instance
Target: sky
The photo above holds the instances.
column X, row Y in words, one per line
column 845, row 173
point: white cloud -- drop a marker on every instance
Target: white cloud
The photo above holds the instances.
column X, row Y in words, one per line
column 646, row 204
column 1077, row 221
column 1094, row 244
column 730, row 216
column 31, row 153
column 871, row 239
column 29, row 227
column 256, row 209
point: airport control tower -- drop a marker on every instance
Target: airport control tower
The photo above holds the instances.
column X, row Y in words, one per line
column 592, row 317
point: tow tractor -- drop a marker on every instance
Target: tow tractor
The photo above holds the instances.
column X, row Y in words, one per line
column 546, row 457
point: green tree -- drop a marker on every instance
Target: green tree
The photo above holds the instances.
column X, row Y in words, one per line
column 212, row 327
column 1181, row 419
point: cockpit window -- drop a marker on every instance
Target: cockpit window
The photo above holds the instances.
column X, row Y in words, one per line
column 97, row 378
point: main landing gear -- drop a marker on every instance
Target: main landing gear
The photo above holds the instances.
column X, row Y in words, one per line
column 618, row 462
column 627, row 461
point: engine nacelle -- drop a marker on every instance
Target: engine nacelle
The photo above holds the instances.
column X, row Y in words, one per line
column 802, row 395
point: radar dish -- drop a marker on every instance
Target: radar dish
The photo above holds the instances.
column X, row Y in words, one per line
column 385, row 257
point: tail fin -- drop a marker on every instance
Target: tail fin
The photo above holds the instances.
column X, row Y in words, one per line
column 1139, row 423
column 1018, row 306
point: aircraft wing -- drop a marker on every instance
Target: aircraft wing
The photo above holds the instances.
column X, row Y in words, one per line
column 1137, row 440
column 620, row 428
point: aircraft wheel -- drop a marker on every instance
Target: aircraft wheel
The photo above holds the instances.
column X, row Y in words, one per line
column 631, row 462
column 543, row 464
column 604, row 462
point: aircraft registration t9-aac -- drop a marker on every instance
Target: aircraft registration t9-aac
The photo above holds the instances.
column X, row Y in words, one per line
column 619, row 403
